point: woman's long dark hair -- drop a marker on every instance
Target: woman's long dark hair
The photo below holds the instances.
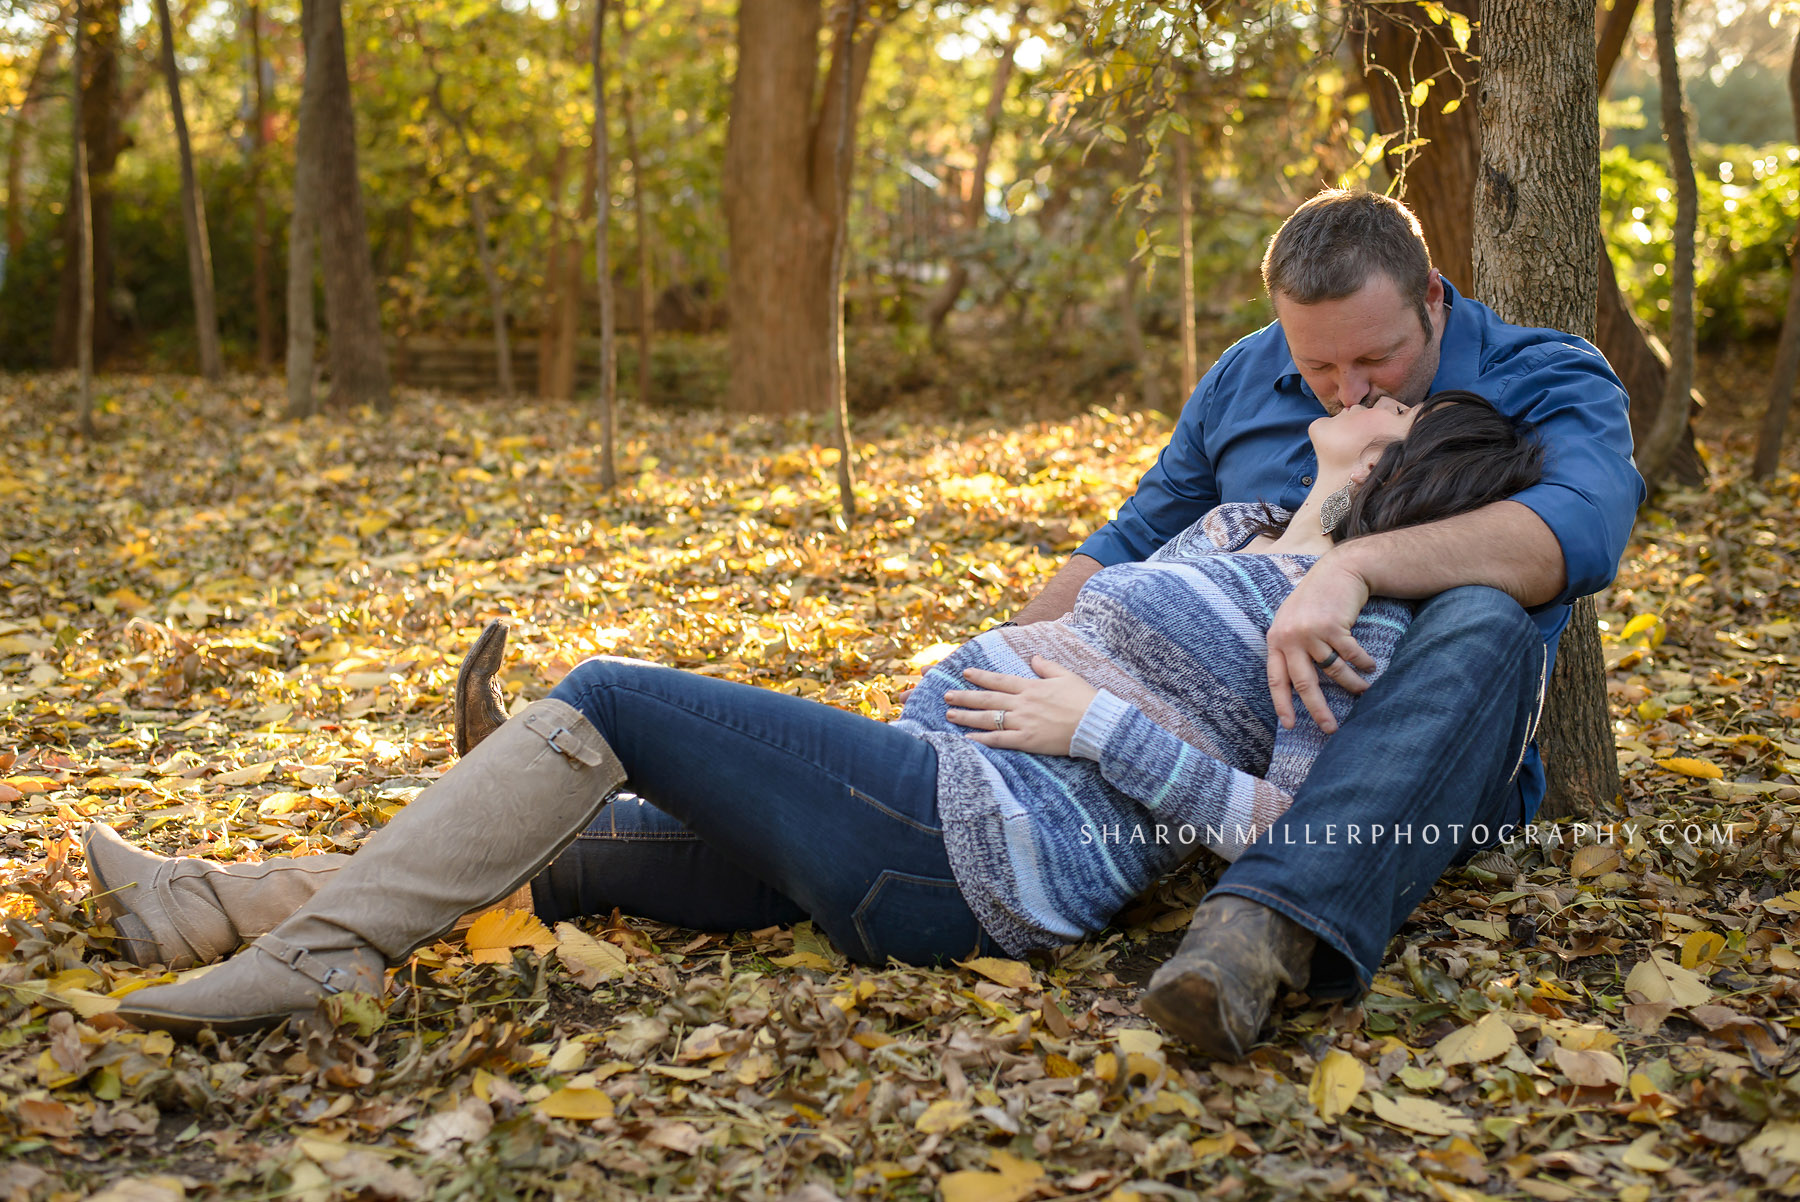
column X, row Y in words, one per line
column 1461, row 454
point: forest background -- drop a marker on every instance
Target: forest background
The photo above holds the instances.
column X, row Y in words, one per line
column 233, row 604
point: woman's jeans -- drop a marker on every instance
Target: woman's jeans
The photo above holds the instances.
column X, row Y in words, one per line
column 751, row 808
column 1423, row 775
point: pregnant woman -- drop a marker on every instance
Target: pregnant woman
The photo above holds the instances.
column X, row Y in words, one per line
column 1038, row 780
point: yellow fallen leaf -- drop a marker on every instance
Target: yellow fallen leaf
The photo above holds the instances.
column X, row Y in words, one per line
column 1691, row 767
column 1476, row 1043
column 589, row 960
column 1638, row 625
column 586, row 1104
column 1140, row 1041
column 1421, row 1114
column 803, row 960
column 1591, row 1070
column 1060, row 1066
column 497, row 932
column 1659, row 979
column 1008, row 1180
column 1010, row 973
column 942, row 1116
column 248, row 775
column 1641, row 1155
column 1336, row 1080
column 1701, row 947
column 1593, row 860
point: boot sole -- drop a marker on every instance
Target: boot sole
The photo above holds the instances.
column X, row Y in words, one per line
column 186, row 1026
column 1188, row 1008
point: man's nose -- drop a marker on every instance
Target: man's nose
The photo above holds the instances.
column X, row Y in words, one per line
column 1352, row 388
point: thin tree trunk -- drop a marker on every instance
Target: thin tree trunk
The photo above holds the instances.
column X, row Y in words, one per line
column 302, row 228
column 15, row 149
column 1615, row 25
column 193, row 211
column 609, row 351
column 359, row 370
column 553, row 273
column 1672, row 417
column 1148, row 392
column 840, row 391
column 259, row 206
column 640, row 227
column 1536, row 257
column 84, row 235
column 100, row 107
column 484, row 247
column 975, row 202
column 1184, row 213
column 1787, row 352
column 568, row 297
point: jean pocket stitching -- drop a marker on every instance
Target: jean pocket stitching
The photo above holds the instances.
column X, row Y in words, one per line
column 890, row 812
column 870, row 898
column 637, row 837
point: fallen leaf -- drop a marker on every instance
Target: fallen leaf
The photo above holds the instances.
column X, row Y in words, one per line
column 1659, row 979
column 584, row 1104
column 589, row 960
column 1008, row 1179
column 495, row 933
column 1589, row 1069
column 1476, row 1043
column 1421, row 1114
column 1336, row 1080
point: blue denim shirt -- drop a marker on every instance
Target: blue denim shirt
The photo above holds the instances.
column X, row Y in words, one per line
column 1242, row 437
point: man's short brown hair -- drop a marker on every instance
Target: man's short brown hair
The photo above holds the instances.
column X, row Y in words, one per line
column 1334, row 242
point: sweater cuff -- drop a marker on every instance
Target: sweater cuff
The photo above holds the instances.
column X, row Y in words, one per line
column 1104, row 713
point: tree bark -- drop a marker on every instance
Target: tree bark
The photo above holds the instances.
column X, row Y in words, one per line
column 98, row 81
column 609, row 350
column 646, row 301
column 1442, row 180
column 1536, row 258
column 840, row 254
column 781, row 204
column 15, row 148
column 193, row 211
column 303, row 225
column 1787, row 351
column 81, row 214
column 1672, row 416
column 550, row 309
column 259, row 208
column 1184, row 213
column 974, row 214
column 1615, row 25
column 357, row 357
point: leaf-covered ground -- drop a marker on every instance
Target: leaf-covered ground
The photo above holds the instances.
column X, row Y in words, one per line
column 233, row 637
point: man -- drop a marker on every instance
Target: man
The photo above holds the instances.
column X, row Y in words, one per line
column 1439, row 747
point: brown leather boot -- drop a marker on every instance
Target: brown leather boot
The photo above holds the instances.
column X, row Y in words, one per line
column 478, row 705
column 477, row 834
column 1216, row 991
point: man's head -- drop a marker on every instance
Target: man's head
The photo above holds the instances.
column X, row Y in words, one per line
column 1357, row 297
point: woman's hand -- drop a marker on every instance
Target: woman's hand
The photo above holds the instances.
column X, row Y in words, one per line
column 1020, row 713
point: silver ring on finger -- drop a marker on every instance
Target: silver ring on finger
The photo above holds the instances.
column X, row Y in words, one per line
column 999, row 719
column 1324, row 665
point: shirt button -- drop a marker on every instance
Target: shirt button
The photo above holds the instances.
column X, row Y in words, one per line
column 1306, row 480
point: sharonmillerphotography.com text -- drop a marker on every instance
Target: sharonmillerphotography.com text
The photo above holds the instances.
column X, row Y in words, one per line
column 1454, row 834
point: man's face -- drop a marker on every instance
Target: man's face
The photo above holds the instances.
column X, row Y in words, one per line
column 1366, row 344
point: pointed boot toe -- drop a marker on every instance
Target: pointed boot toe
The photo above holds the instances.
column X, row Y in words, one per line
column 479, row 707
column 118, row 872
column 271, row 982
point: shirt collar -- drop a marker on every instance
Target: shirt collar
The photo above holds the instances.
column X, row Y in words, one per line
column 1459, row 351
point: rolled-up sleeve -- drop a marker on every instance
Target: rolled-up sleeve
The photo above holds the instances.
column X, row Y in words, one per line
column 1174, row 494
column 1591, row 490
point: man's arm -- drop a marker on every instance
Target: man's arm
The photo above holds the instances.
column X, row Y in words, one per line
column 1058, row 597
column 1504, row 545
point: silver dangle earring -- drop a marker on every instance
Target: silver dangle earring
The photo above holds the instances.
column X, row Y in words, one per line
column 1334, row 510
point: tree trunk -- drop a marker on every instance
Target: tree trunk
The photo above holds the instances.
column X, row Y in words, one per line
column 845, row 99
column 974, row 213
column 1184, row 213
column 1672, row 416
column 1615, row 25
column 1441, row 182
column 81, row 212
column 357, row 357
column 98, row 80
column 259, row 208
column 1399, row 52
column 302, row 231
column 646, row 301
column 609, row 350
column 550, row 311
column 568, row 293
column 781, row 205
column 1787, row 351
column 15, row 149
column 193, row 211
column 1148, row 392
column 1536, row 259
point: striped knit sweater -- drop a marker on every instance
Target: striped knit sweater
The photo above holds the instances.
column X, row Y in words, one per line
column 1181, row 749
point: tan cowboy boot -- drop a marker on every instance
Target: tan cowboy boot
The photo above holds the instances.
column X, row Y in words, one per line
column 484, row 829
column 1216, row 991
column 185, row 912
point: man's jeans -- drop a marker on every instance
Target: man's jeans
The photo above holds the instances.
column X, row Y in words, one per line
column 1421, row 776
column 754, row 808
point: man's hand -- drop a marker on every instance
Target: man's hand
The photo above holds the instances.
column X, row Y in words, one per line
column 1312, row 628
column 1039, row 715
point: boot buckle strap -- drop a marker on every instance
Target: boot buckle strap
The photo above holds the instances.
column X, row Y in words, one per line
column 570, row 742
column 300, row 960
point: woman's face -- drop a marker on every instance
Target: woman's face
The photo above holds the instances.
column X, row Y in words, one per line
column 1378, row 421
